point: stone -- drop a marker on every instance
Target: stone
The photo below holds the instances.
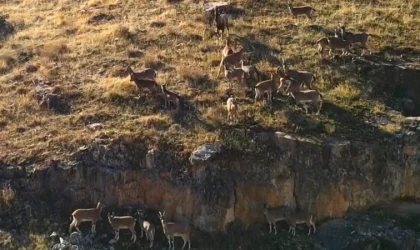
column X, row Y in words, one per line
column 95, row 126
column 151, row 158
column 204, row 153
column 54, row 234
column 75, row 238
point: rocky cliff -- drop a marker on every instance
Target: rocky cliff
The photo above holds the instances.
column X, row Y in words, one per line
column 216, row 187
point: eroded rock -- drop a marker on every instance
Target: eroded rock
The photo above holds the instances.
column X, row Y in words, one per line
column 76, row 238
column 151, row 158
column 204, row 153
column 361, row 231
column 95, row 126
column 325, row 177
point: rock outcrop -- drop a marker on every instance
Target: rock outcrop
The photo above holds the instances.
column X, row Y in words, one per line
column 325, row 177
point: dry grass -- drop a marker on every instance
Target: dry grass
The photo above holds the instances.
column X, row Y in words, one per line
column 7, row 195
column 85, row 61
column 391, row 128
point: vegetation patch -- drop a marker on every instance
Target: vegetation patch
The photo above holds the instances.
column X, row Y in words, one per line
column 86, row 59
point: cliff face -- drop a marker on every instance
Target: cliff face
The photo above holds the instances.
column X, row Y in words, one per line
column 325, row 177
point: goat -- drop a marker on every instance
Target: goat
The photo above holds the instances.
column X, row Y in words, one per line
column 322, row 43
column 337, row 43
column 251, row 70
column 306, row 96
column 145, row 74
column 361, row 38
column 170, row 96
column 227, row 50
column 330, row 32
column 232, row 109
column 301, row 10
column 275, row 214
column 267, row 86
column 146, row 227
column 221, row 21
column 171, row 230
column 90, row 214
column 300, row 218
column 233, row 73
column 146, row 84
column 122, row 222
column 232, row 59
column 304, row 77
column 291, row 85
column 286, row 81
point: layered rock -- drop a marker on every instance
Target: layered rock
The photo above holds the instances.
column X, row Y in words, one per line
column 324, row 177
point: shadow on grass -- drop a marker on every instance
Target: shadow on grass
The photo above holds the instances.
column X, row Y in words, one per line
column 264, row 5
column 383, row 80
column 145, row 102
column 351, row 124
column 257, row 49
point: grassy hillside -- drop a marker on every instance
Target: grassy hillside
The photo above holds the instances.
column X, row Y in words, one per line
column 84, row 59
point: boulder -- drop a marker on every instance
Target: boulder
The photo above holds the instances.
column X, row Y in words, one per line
column 204, row 153
column 75, row 238
column 151, row 157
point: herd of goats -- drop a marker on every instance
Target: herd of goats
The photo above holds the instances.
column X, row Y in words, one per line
column 291, row 81
column 181, row 229
column 294, row 83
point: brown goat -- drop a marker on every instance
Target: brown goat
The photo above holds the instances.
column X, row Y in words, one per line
column 322, row 43
column 122, row 222
column 146, row 84
column 146, row 228
column 304, row 77
column 221, row 21
column 301, row 10
column 232, row 109
column 267, row 86
column 227, row 50
column 300, row 218
column 337, row 43
column 172, row 230
column 147, row 73
column 361, row 38
column 90, row 214
column 170, row 96
column 232, row 59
